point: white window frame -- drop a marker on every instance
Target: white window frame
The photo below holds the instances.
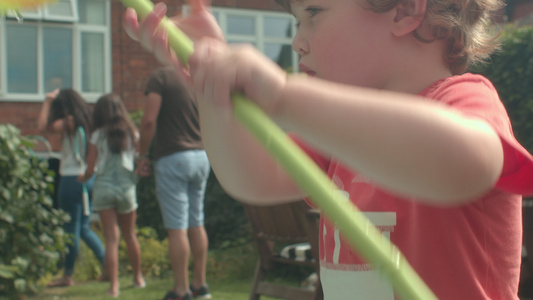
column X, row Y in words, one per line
column 47, row 15
column 29, row 13
column 41, row 16
column 259, row 39
column 43, row 12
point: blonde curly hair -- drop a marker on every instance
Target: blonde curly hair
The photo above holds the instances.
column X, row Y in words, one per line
column 463, row 23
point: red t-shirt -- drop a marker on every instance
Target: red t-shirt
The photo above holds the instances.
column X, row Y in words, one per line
column 468, row 252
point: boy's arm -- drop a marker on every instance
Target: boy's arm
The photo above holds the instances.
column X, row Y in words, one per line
column 405, row 144
column 242, row 166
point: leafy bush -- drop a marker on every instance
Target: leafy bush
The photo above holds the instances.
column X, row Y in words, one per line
column 225, row 221
column 231, row 263
column 148, row 212
column 31, row 231
column 154, row 255
column 511, row 72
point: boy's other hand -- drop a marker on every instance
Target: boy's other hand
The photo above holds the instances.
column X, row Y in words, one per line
column 198, row 24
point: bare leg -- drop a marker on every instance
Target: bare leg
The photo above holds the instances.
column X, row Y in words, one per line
column 199, row 246
column 179, row 253
column 127, row 227
column 111, row 234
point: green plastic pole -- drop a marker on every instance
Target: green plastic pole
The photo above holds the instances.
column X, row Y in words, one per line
column 362, row 235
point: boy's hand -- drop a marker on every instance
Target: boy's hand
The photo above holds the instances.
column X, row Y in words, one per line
column 197, row 25
column 217, row 70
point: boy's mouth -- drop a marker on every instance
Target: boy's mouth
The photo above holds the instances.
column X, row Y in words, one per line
column 306, row 70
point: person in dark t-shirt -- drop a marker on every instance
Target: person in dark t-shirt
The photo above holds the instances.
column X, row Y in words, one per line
column 181, row 170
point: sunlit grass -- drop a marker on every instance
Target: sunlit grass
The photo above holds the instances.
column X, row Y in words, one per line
column 229, row 274
column 155, row 289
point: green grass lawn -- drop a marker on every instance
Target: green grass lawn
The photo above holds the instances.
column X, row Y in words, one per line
column 155, row 289
column 229, row 274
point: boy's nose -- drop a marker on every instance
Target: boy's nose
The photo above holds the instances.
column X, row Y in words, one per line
column 300, row 45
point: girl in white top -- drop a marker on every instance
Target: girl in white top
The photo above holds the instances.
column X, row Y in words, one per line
column 64, row 112
column 112, row 151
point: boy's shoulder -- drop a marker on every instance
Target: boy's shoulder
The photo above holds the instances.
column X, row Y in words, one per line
column 460, row 86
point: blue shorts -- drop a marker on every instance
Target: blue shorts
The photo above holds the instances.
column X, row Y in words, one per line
column 180, row 187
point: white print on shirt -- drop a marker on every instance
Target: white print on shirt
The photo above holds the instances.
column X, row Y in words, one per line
column 362, row 281
column 337, row 249
column 360, row 179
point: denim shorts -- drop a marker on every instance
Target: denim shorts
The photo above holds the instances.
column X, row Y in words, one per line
column 180, row 187
column 115, row 188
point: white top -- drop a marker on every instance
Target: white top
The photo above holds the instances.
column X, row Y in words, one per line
column 99, row 139
column 69, row 165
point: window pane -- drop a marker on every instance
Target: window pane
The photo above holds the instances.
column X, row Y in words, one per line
column 92, row 12
column 21, row 44
column 241, row 25
column 61, row 8
column 57, row 58
column 92, row 62
column 278, row 27
column 281, row 54
column 235, row 42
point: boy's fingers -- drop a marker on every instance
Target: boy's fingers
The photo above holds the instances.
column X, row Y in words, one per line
column 130, row 24
column 196, row 57
column 162, row 52
column 150, row 24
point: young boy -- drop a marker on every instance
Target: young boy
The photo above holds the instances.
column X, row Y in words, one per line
column 428, row 154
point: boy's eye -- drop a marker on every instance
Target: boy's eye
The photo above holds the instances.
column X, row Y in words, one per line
column 310, row 12
column 313, row 11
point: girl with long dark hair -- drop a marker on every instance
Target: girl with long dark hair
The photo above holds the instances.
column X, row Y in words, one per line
column 112, row 151
column 66, row 112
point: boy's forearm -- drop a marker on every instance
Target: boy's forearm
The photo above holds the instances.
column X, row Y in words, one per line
column 411, row 146
column 242, row 166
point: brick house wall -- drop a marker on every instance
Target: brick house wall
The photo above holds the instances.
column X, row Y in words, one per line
column 522, row 10
column 131, row 64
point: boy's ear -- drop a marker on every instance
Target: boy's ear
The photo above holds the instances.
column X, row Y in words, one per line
column 409, row 16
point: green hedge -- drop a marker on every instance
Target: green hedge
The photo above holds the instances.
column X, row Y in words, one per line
column 31, row 231
column 511, row 72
